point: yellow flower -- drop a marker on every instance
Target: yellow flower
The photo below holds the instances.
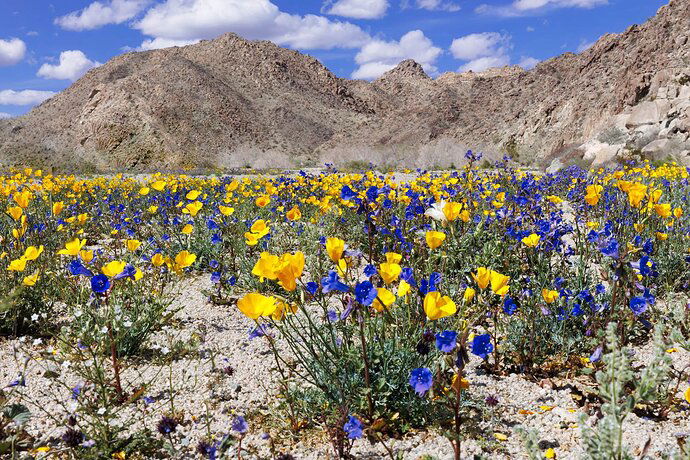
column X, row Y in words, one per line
column 193, row 208
column 114, row 268
column 226, row 210
column 157, row 259
column 437, row 306
column 290, row 268
column 15, row 212
column 593, row 194
column 468, row 295
column 294, row 214
column 32, row 252
column 335, row 248
column 661, row 236
column 120, row 455
column 86, row 256
column 192, row 195
column 531, row 241
column 678, row 213
column 403, row 288
column 260, row 227
column 550, row 453
column 460, row 384
column 58, row 206
column 158, row 185
column 17, row 265
column 549, row 296
column 22, row 199
column 663, row 210
column 384, row 299
column 144, row 191
column 73, row 247
column 686, row 395
column 499, row 283
column 152, row 209
column 636, row 194
column 252, row 239
column 482, row 277
column 282, row 310
column 184, row 259
column 554, row 199
column 389, row 272
column 187, row 229
column 30, row 280
column 133, row 245
column 263, row 201
column 434, row 239
column 452, row 210
column 254, row 305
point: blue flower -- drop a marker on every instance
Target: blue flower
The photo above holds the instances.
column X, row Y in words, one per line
column 240, row 425
column 312, row 287
column 481, row 346
column 76, row 268
column 353, row 427
column 446, row 341
column 347, row 194
column 332, row 283
column 370, row 270
column 365, row 293
column 638, row 305
column 509, row 306
column 215, row 277
column 421, row 380
column 596, row 356
column 128, row 272
column 610, row 249
column 100, row 284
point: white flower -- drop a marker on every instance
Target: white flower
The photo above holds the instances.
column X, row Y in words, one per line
column 101, row 411
column 436, row 211
column 34, row 317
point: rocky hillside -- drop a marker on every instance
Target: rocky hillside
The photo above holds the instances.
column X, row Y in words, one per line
column 230, row 102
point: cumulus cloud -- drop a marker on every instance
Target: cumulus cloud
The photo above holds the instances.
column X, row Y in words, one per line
column 11, row 51
column 73, row 64
column 99, row 14
column 25, row 97
column 5, row 115
column 378, row 56
column 158, row 43
column 482, row 51
column 432, row 5
column 193, row 20
column 358, row 9
column 526, row 7
column 528, row 62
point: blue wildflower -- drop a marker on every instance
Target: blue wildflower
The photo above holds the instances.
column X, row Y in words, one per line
column 446, row 341
column 481, row 345
column 332, row 283
column 365, row 293
column 421, row 380
column 353, row 427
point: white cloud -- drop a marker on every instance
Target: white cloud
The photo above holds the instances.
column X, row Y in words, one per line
column 5, row 115
column 378, row 56
column 482, row 51
column 358, row 9
column 525, row 7
column 528, row 62
column 191, row 20
column 584, row 45
column 530, row 29
column 99, row 14
column 484, row 63
column 11, row 51
column 157, row 43
column 437, row 5
column 479, row 45
column 73, row 64
column 25, row 97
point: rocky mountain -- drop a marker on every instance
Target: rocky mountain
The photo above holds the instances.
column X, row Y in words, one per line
column 230, row 102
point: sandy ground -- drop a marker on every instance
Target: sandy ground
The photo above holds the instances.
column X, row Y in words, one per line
column 251, row 387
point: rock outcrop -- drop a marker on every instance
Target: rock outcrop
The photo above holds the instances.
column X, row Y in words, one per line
column 230, row 102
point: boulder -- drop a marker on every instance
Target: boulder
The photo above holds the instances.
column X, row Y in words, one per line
column 598, row 153
column 647, row 113
column 659, row 149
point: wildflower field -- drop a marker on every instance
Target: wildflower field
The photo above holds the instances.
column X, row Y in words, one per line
column 476, row 313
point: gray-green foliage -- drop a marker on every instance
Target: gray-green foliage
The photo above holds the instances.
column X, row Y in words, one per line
column 621, row 389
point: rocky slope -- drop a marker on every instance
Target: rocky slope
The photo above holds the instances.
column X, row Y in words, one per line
column 231, row 102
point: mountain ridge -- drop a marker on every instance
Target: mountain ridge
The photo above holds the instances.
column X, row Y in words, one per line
column 230, row 102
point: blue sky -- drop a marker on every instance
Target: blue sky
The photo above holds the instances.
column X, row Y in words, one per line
column 46, row 45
